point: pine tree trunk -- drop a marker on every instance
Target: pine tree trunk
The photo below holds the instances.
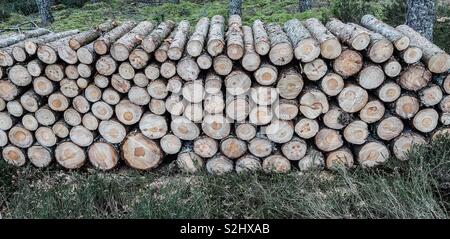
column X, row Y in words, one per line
column 304, row 5
column 44, row 11
column 420, row 16
column 234, row 7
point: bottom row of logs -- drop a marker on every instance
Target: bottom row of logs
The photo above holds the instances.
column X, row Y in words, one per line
column 140, row 152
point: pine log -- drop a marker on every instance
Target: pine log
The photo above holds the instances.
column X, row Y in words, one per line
column 20, row 137
column 90, row 122
column 426, row 120
column 175, row 104
column 237, row 82
column 295, row 149
column 141, row 153
column 127, row 112
column 266, row 74
column 392, row 67
column 353, row 37
column 139, row 95
column 178, row 44
column 371, row 77
column 261, row 147
column 389, row 92
column 170, row 144
column 86, row 37
column 106, row 65
column 19, row 75
column 69, row 88
column 280, row 131
column 184, row 129
column 93, row 93
column 276, row 164
column 168, row 69
column 194, row 112
column 412, row 55
column 8, row 90
column 31, row 45
column 45, row 116
column 152, row 71
column 313, row 103
column 306, row 48
column 372, row 154
column 214, row 103
column 233, row 147
column 14, row 156
column 406, row 106
column 281, row 52
column 414, row 77
column 247, row 164
column 205, row 147
column 336, row 118
column 189, row 162
column 262, row 41
column 112, row 131
column 161, row 52
column 126, row 71
column 81, row 104
column 251, row 59
column 188, row 69
column 372, row 112
column 234, row 35
column 238, row 108
column 389, row 128
column 330, row 48
column 216, row 126
column 45, row 136
column 245, row 131
column 8, row 41
column 352, row 98
column 216, row 41
column 157, row 107
column 70, row 155
column 197, row 40
column 103, row 156
column 446, row 84
column 103, row 43
column 156, row 37
column 30, row 122
column 400, row 41
column 431, row 95
column 139, row 79
column 35, row 67
column 54, row 72
column 6, row 121
column 120, row 84
column 306, row 128
column 290, row 83
column 153, row 126
column 404, row 143
column 380, row 49
column 263, row 95
column 260, row 115
column 219, row 165
column 328, row 140
column 121, row 48
column 193, row 91
column 40, row 156
column 348, row 63
column 286, row 109
column 175, row 84
column 356, row 132
column 61, row 129
column 213, row 83
column 313, row 160
column 204, row 61
column 339, row 159
column 102, row 110
column 445, row 104
column 436, row 59
column 30, row 101
column 222, row 65
column 15, row 108
column 315, row 70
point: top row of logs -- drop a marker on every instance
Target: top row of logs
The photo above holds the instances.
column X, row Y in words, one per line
column 304, row 40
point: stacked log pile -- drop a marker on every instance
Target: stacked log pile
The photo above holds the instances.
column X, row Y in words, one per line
column 221, row 96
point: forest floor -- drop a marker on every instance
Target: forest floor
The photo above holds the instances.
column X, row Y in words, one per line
column 417, row 188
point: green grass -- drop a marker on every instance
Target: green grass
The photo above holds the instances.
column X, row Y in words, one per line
column 414, row 189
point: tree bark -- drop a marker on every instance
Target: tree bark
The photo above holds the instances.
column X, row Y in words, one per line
column 234, row 7
column 420, row 15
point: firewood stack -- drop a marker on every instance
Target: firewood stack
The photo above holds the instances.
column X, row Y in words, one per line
column 221, row 96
